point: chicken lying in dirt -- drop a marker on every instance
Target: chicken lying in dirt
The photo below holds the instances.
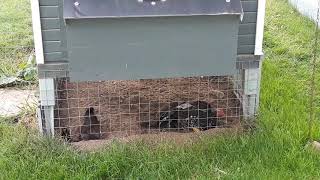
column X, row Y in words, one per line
column 196, row 116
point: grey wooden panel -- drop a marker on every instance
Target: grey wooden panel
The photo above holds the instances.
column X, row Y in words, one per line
column 54, row 56
column 49, row 11
column 250, row 6
column 135, row 48
column 248, row 57
column 249, row 49
column 54, row 29
column 249, row 17
column 53, row 70
column 51, row 46
column 247, row 5
column 133, row 8
column 49, row 2
column 249, row 28
column 50, row 23
column 60, row 69
column 63, row 31
column 248, row 39
column 51, row 35
column 247, row 33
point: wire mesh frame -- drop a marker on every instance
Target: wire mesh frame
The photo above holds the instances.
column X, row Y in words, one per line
column 107, row 109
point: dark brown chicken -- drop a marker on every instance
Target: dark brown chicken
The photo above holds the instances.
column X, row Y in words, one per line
column 91, row 126
column 65, row 134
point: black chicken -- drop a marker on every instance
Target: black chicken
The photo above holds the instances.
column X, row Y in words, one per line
column 65, row 134
column 189, row 115
column 91, row 126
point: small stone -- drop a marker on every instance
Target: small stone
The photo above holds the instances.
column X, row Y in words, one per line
column 10, row 81
column 196, row 130
column 315, row 146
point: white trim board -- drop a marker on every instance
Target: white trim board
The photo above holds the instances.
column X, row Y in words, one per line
column 37, row 34
column 47, row 97
column 260, row 27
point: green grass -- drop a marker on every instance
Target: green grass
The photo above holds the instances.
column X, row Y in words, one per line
column 16, row 42
column 274, row 151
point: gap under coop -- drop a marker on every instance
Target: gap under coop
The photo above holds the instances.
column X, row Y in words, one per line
column 93, row 110
column 147, row 67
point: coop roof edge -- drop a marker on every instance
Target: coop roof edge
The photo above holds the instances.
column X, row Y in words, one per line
column 147, row 16
column 84, row 9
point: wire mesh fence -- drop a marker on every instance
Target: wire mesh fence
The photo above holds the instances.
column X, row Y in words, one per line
column 106, row 109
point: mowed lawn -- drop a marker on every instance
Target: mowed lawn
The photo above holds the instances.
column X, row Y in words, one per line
column 16, row 41
column 275, row 150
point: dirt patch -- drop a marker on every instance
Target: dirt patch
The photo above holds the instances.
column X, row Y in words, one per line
column 14, row 100
column 153, row 140
column 123, row 106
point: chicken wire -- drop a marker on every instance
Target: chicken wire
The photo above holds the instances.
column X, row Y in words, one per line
column 107, row 109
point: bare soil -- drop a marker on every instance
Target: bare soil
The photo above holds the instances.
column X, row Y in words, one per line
column 152, row 140
column 13, row 101
column 123, row 106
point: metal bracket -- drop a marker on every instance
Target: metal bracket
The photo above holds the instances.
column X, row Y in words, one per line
column 47, row 103
column 251, row 91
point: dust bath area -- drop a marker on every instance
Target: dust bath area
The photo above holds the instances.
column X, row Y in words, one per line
column 152, row 140
column 118, row 109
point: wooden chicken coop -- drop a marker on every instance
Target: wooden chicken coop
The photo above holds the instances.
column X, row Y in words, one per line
column 119, row 68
